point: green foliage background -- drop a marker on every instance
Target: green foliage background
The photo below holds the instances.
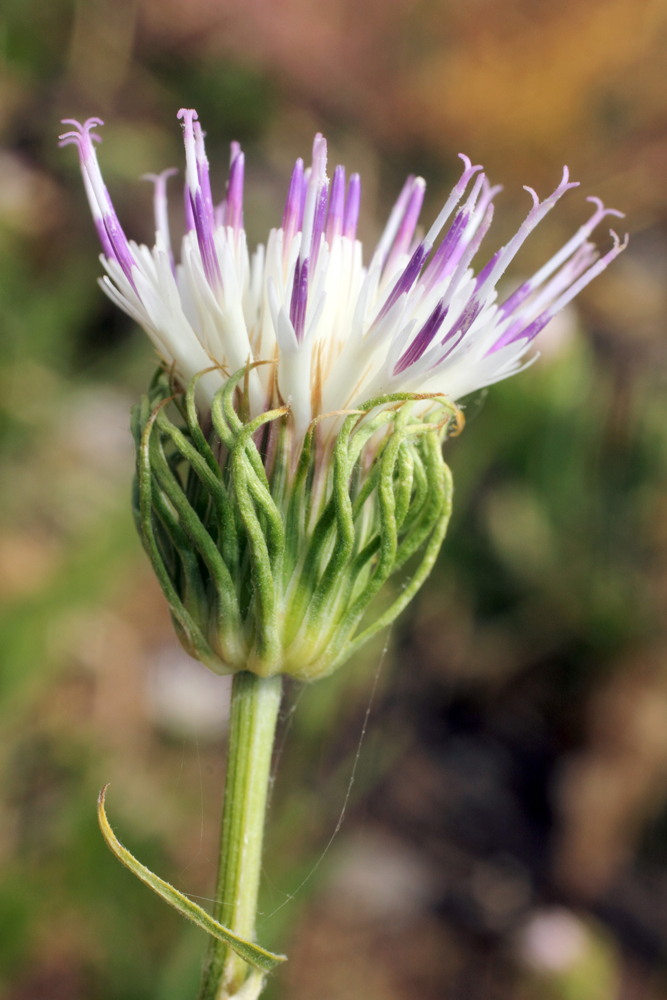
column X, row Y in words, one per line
column 555, row 564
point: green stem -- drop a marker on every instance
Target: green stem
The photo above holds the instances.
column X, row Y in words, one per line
column 254, row 713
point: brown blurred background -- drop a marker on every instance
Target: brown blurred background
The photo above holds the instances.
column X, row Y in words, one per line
column 505, row 836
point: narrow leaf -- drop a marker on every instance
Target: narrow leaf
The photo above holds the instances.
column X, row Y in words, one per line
column 251, row 953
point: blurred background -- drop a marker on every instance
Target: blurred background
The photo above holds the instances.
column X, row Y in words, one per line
column 505, row 836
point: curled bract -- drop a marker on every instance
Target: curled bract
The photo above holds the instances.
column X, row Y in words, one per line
column 270, row 548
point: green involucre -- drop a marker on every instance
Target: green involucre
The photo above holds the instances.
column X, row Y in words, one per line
column 270, row 551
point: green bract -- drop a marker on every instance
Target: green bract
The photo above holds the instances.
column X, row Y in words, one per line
column 270, row 551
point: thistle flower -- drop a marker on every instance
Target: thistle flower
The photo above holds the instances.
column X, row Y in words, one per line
column 291, row 491
column 412, row 320
column 289, row 454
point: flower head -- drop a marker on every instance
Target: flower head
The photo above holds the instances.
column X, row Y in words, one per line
column 416, row 318
column 289, row 448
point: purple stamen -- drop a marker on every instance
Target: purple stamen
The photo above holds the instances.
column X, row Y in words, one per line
column 416, row 240
column 522, row 293
column 201, row 212
column 591, row 273
column 585, row 256
column 464, row 322
column 486, row 270
column 317, row 179
column 292, row 213
column 352, row 207
column 116, row 240
column 187, row 205
column 488, row 195
column 305, row 180
column 74, row 137
column 535, row 215
column 453, row 200
column 405, row 280
column 234, row 212
column 299, row 299
column 516, row 299
column 476, row 214
column 471, row 202
column 463, row 263
column 203, row 171
column 407, row 225
column 454, row 337
column 120, row 245
column 314, row 215
column 318, row 225
column 518, row 331
column 204, row 232
column 470, row 251
column 528, row 333
column 423, row 339
column 435, row 270
column 107, row 249
column 393, row 222
column 337, row 206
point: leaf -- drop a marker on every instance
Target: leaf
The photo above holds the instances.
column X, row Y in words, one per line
column 251, row 953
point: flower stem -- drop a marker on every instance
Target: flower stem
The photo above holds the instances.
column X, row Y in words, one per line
column 254, row 713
